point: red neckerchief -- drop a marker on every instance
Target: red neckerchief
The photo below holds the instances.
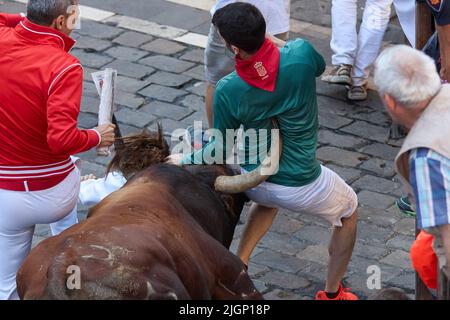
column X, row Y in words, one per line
column 261, row 70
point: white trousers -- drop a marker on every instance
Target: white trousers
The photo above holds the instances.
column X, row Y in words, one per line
column 20, row 212
column 359, row 50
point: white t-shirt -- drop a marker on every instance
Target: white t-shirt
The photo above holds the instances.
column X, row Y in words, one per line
column 276, row 12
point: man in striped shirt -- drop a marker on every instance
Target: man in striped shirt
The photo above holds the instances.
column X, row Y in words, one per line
column 411, row 88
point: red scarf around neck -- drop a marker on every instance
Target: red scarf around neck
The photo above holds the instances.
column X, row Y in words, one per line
column 261, row 70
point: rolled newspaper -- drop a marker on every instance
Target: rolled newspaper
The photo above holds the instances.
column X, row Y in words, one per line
column 105, row 81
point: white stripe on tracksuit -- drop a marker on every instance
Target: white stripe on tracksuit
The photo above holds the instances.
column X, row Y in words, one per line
column 359, row 50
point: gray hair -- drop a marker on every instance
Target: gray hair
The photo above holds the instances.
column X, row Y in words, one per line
column 44, row 12
column 407, row 75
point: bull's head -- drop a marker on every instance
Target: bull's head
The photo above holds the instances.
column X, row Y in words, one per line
column 137, row 152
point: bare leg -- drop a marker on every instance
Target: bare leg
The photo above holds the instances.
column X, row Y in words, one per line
column 341, row 249
column 209, row 98
column 259, row 221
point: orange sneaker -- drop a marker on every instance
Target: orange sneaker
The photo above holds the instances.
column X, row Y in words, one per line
column 344, row 294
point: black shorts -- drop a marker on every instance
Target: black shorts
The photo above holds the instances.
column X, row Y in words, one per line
column 440, row 10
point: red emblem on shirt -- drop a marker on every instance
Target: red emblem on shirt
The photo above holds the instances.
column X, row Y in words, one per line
column 262, row 72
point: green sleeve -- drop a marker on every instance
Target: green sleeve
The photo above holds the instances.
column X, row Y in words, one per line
column 222, row 120
column 317, row 60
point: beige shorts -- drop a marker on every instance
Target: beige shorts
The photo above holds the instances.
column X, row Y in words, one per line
column 328, row 197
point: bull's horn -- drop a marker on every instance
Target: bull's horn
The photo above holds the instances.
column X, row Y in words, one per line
column 241, row 183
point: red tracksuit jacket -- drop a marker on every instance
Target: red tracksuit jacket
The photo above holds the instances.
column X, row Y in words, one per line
column 40, row 94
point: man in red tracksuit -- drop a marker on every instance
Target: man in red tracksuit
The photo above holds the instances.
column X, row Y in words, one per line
column 40, row 94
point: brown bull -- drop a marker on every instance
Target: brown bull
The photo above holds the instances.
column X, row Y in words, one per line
column 164, row 235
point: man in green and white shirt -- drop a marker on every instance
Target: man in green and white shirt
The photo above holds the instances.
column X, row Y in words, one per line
column 271, row 83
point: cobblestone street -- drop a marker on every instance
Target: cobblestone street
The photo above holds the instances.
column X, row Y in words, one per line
column 161, row 80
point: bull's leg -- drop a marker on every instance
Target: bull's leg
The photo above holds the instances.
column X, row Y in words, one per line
column 259, row 221
column 340, row 250
column 232, row 281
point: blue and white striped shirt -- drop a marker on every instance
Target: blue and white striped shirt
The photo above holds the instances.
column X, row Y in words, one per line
column 430, row 180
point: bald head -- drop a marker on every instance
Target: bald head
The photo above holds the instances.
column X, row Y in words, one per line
column 407, row 75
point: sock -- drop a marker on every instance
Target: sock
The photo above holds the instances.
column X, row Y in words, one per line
column 332, row 295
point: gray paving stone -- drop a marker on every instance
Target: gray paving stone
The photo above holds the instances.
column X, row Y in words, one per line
column 332, row 121
column 369, row 251
column 285, row 281
column 89, row 104
column 331, row 91
column 404, row 281
column 348, row 174
column 260, row 286
column 42, row 230
column 127, row 130
column 382, row 151
column 130, row 85
column 87, row 120
column 195, row 55
column 255, row 270
column 379, row 217
column 406, row 226
column 339, row 156
column 98, row 30
column 93, row 168
column 375, row 200
column 198, row 88
column 377, row 118
column 132, row 39
column 126, row 53
column 401, row 242
column 92, row 60
column 169, row 79
column 193, row 102
column 165, row 63
column 168, row 126
column 162, row 93
column 332, row 105
column 91, row 156
column 398, row 258
column 372, row 234
column 166, row 110
column 163, row 46
column 314, row 234
column 368, row 131
column 197, row 73
column 89, row 89
column 278, row 294
column 129, row 100
column 380, row 167
column 87, row 74
column 279, row 261
column 285, row 224
column 315, row 253
column 94, row 44
column 196, row 116
column 130, row 69
column 381, row 185
column 338, row 140
column 136, row 118
column 279, row 243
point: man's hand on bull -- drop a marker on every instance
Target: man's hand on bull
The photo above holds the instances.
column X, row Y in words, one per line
column 175, row 159
column 107, row 136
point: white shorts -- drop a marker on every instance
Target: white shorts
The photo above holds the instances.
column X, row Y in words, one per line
column 20, row 212
column 328, row 197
